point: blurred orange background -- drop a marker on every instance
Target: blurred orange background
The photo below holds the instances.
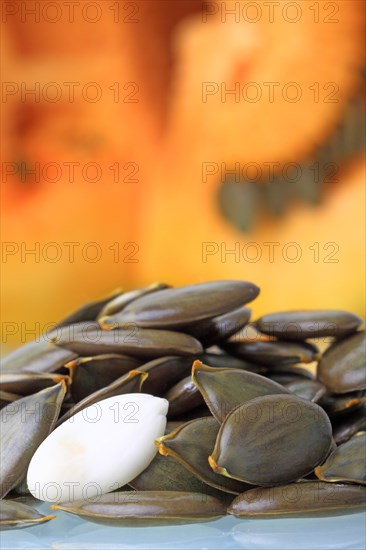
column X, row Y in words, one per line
column 123, row 123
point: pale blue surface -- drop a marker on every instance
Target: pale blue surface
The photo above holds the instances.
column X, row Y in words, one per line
column 71, row 533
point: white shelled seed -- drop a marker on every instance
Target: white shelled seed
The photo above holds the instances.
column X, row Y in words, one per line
column 98, row 450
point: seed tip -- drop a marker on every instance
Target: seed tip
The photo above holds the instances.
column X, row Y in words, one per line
column 107, row 323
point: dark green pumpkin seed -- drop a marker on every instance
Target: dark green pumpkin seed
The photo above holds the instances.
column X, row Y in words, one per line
column 121, row 300
column 24, row 425
column 348, row 425
column 225, row 389
column 128, row 383
column 298, row 499
column 272, row 440
column 16, row 515
column 343, row 366
column 185, row 306
column 39, row 356
column 220, row 328
column 90, row 374
column 26, row 383
column 300, row 325
column 167, row 474
column 190, row 444
column 312, row 390
column 87, row 312
column 346, row 463
column 147, row 508
column 273, row 353
column 164, row 372
column 338, row 404
column 183, row 397
column 89, row 339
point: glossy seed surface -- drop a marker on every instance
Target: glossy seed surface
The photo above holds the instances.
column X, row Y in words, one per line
column 90, row 374
column 273, row 352
column 220, row 328
column 38, row 356
column 336, row 404
column 90, row 339
column 147, row 508
column 298, row 499
column 346, row 463
column 164, row 372
column 300, row 325
column 165, row 473
column 16, row 515
column 343, row 366
column 88, row 312
column 181, row 307
column 183, row 397
column 225, row 389
column 26, row 383
column 348, row 425
column 272, row 440
column 24, row 424
column 122, row 299
column 312, row 390
column 190, row 444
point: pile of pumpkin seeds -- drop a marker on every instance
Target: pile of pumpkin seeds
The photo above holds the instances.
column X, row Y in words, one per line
column 266, row 418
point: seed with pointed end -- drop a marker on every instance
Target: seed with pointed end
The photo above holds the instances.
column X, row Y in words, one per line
column 190, row 444
column 225, row 389
column 16, row 515
column 273, row 353
column 300, row 325
column 24, row 424
column 121, row 300
column 90, row 374
column 164, row 372
column 146, row 508
column 175, row 308
column 272, row 440
column 90, row 339
column 346, row 463
column 88, row 312
column 298, row 499
column 26, row 383
column 348, row 425
column 38, row 356
column 343, row 366
column 128, row 383
column 99, row 449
